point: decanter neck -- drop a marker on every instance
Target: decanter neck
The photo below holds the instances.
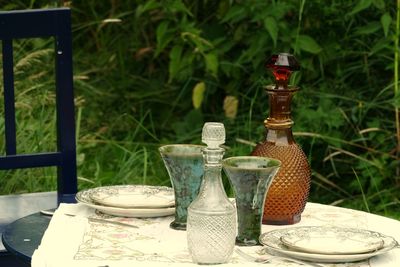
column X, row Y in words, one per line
column 280, row 100
column 280, row 137
column 212, row 187
column 213, row 157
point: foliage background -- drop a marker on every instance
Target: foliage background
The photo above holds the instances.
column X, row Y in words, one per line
column 151, row 72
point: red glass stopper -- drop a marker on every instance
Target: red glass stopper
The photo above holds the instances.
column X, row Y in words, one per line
column 282, row 66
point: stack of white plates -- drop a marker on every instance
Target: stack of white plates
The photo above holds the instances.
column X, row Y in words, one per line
column 130, row 200
column 327, row 244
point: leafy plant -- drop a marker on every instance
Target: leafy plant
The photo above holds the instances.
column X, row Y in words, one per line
column 152, row 72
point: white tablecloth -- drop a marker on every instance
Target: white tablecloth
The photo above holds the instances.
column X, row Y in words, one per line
column 77, row 242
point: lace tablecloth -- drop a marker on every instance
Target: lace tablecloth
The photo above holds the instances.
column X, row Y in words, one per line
column 76, row 241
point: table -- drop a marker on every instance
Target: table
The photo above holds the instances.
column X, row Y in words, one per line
column 91, row 244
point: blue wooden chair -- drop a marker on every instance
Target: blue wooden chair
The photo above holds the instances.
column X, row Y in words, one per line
column 41, row 23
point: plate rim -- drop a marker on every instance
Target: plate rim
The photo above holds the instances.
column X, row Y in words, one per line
column 389, row 244
column 124, row 212
column 376, row 245
column 100, row 202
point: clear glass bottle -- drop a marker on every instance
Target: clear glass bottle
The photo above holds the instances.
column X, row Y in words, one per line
column 211, row 222
column 289, row 191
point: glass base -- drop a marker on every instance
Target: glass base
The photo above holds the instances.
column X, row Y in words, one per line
column 282, row 220
column 243, row 242
column 178, row 225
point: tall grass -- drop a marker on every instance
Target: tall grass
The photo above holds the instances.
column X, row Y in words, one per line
column 137, row 64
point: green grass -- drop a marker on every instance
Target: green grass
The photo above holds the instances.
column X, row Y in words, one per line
column 137, row 63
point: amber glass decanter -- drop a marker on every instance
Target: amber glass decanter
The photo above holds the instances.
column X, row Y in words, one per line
column 289, row 191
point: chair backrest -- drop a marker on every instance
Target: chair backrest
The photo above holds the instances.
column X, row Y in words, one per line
column 38, row 24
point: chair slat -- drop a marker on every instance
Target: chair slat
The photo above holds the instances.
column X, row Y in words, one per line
column 31, row 160
column 9, row 101
column 42, row 23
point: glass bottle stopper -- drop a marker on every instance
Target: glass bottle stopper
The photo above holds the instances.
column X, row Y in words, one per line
column 282, row 66
column 213, row 134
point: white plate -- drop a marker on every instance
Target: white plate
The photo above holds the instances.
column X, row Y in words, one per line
column 273, row 243
column 133, row 196
column 332, row 240
column 84, row 198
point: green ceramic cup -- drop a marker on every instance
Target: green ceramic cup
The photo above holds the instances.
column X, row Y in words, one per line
column 251, row 178
column 184, row 163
